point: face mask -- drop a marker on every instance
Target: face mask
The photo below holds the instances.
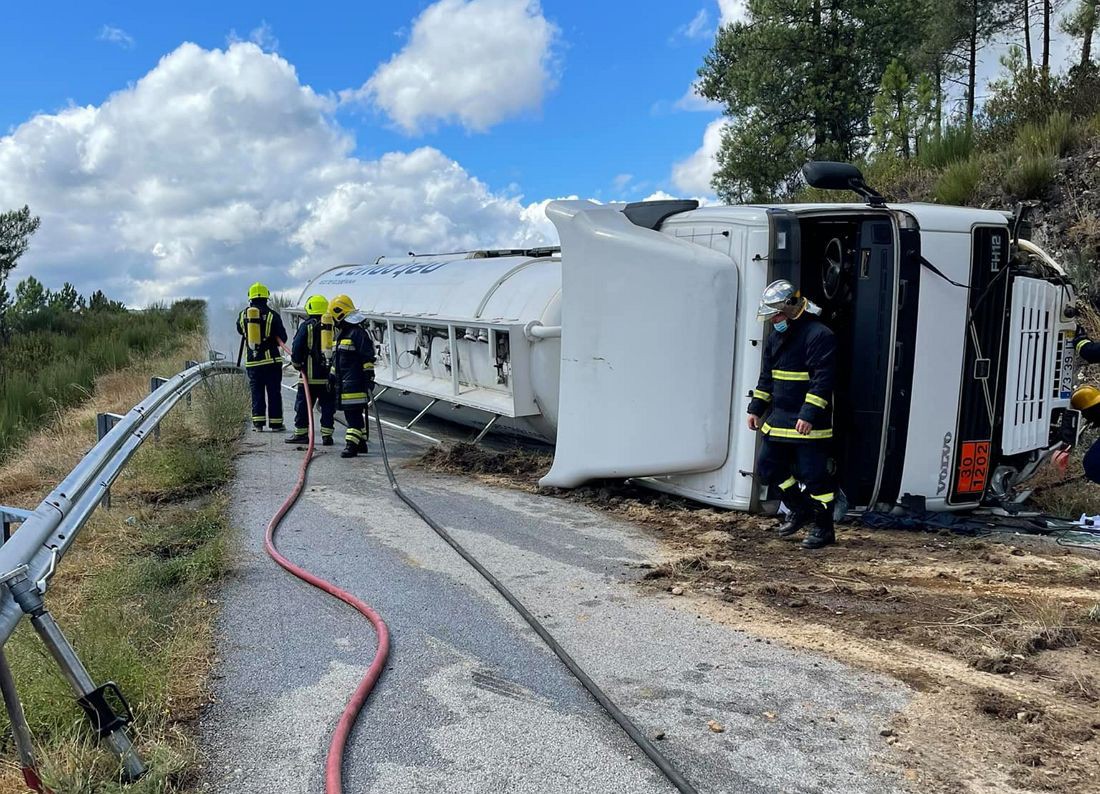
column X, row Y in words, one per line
column 780, row 326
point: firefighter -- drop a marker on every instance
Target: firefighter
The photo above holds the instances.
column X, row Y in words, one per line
column 1086, row 399
column 308, row 357
column 353, row 373
column 262, row 330
column 796, row 383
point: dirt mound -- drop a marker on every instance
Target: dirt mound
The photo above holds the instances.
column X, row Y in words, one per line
column 473, row 459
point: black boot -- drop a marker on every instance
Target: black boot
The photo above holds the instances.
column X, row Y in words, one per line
column 326, row 441
column 796, row 519
column 802, row 511
column 363, row 447
column 297, row 438
column 351, row 449
column 823, row 533
column 257, row 426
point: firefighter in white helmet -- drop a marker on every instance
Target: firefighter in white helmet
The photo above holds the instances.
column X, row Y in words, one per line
column 308, row 357
column 792, row 406
column 262, row 329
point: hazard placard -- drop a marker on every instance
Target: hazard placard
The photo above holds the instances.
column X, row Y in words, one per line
column 973, row 467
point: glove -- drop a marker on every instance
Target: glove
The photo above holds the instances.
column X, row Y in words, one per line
column 1060, row 459
column 370, row 380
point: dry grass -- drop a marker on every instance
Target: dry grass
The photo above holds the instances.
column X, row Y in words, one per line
column 133, row 592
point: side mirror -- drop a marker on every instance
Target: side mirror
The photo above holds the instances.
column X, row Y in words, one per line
column 826, row 175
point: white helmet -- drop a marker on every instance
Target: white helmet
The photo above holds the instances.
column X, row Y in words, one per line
column 780, row 296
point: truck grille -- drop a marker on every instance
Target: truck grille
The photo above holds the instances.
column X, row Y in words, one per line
column 1036, row 361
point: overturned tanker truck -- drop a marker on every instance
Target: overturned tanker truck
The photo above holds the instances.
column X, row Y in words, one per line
column 634, row 345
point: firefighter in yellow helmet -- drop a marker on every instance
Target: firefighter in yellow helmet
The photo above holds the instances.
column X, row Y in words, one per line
column 309, row 358
column 353, row 372
column 1086, row 399
column 262, row 329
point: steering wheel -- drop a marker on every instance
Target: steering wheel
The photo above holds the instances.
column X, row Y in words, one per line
column 832, row 268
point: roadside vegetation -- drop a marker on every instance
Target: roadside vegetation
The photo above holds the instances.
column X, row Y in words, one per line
column 133, row 595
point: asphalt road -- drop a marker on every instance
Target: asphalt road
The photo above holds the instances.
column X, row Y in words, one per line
column 471, row 700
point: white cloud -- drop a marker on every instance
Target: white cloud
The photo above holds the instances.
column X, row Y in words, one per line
column 698, row 28
column 692, row 175
column 470, row 62
column 692, row 102
column 116, row 36
column 622, row 181
column 219, row 168
column 263, row 36
column 731, row 11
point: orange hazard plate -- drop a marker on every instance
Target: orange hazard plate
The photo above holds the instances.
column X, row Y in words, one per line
column 973, row 466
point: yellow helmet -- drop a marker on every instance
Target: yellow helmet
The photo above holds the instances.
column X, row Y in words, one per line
column 317, row 304
column 1085, row 397
column 258, row 290
column 340, row 307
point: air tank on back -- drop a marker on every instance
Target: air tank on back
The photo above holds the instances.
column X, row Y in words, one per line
column 471, row 337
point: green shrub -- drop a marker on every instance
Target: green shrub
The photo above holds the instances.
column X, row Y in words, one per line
column 1030, row 175
column 958, row 184
column 51, row 361
column 955, row 145
column 1055, row 137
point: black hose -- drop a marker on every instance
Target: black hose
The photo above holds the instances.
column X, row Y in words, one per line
column 639, row 738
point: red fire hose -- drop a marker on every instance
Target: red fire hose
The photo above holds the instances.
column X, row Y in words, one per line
column 335, row 759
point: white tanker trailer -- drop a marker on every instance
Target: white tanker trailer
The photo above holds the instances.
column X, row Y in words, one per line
column 633, row 347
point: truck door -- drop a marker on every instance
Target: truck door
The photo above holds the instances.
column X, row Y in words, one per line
column 648, row 332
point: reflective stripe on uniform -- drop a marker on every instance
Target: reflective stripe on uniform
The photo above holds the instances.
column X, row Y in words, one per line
column 761, row 395
column 783, row 432
column 267, row 359
column 368, row 365
column 327, row 431
column 1080, row 344
column 824, row 498
column 787, row 483
column 259, row 419
column 346, row 343
column 309, row 355
column 353, row 395
column 782, row 374
column 820, row 402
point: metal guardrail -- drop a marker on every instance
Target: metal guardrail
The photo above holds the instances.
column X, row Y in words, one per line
column 30, row 557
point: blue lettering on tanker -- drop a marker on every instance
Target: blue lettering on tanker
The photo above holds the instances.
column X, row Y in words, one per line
column 344, row 275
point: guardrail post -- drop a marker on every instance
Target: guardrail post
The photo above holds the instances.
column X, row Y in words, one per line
column 10, row 516
column 106, row 708
column 103, row 425
column 187, row 365
column 155, row 383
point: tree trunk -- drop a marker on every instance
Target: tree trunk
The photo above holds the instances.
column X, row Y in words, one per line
column 1027, row 35
column 821, row 134
column 972, row 67
column 939, row 98
column 1088, row 29
column 1046, row 41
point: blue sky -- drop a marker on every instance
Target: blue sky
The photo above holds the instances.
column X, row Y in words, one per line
column 186, row 149
column 621, row 67
column 189, row 149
